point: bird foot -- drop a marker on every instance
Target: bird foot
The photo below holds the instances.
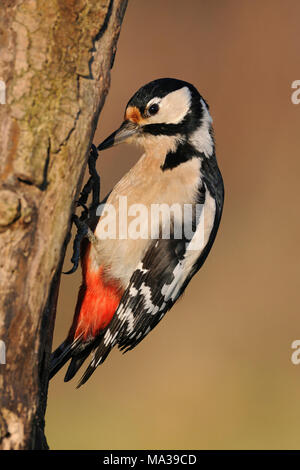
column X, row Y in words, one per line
column 83, row 230
column 92, row 186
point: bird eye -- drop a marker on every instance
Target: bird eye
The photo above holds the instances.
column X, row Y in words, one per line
column 153, row 109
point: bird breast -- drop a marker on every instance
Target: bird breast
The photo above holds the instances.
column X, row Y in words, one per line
column 133, row 204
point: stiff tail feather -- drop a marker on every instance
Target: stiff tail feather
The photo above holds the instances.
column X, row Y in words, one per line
column 61, row 355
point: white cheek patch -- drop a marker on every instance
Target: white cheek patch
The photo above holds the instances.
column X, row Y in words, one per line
column 172, row 108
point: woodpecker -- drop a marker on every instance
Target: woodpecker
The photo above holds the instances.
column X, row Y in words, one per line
column 128, row 284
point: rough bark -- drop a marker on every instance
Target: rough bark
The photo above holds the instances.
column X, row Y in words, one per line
column 55, row 61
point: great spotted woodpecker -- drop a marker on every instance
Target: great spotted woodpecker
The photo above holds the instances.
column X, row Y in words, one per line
column 129, row 283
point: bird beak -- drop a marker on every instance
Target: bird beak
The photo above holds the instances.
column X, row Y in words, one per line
column 127, row 129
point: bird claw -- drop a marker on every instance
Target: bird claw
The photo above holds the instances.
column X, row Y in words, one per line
column 82, row 230
column 92, row 185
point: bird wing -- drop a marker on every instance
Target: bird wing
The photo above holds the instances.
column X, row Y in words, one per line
column 145, row 301
column 155, row 285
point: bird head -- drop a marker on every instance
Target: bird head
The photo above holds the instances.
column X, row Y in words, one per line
column 164, row 108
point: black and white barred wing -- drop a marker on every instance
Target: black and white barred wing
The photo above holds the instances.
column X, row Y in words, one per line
column 151, row 292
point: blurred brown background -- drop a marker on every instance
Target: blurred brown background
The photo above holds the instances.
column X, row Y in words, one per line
column 217, row 371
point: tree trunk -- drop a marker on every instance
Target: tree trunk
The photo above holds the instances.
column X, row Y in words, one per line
column 55, row 61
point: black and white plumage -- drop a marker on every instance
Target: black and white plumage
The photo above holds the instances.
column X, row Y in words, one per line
column 171, row 121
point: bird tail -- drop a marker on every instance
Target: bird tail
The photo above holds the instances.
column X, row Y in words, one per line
column 77, row 351
column 96, row 304
column 78, row 344
column 70, row 346
column 59, row 357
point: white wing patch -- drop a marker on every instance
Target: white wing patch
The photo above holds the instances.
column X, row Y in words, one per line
column 193, row 250
column 133, row 291
column 108, row 337
column 126, row 314
column 149, row 306
column 170, row 291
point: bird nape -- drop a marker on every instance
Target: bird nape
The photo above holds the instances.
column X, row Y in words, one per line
column 134, row 269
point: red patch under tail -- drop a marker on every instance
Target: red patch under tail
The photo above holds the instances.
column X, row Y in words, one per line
column 97, row 302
